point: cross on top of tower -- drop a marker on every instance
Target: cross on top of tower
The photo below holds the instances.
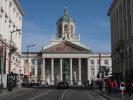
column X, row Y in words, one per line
column 66, row 11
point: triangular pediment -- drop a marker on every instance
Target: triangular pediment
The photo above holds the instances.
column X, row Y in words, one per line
column 66, row 47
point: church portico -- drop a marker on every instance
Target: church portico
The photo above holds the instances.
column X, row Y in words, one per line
column 71, row 70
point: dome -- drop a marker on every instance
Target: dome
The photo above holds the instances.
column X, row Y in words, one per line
column 66, row 17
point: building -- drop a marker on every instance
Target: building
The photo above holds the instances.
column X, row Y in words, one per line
column 121, row 18
column 65, row 58
column 10, row 37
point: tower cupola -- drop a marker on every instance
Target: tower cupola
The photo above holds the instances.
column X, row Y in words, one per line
column 66, row 26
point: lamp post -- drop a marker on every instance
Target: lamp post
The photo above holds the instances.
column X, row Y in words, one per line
column 1, row 67
column 100, row 75
column 10, row 81
column 10, row 49
column 28, row 46
column 20, row 71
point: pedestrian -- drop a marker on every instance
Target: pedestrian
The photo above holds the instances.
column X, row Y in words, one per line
column 109, row 86
column 123, row 88
column 101, row 85
column 129, row 88
column 115, row 87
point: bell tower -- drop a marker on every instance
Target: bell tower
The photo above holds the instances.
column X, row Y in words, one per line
column 66, row 26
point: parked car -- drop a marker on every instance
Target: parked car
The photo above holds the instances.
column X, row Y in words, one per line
column 30, row 84
column 62, row 85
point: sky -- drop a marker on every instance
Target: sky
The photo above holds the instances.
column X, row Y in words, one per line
column 92, row 22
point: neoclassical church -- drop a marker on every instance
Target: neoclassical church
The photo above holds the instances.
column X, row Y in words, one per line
column 66, row 58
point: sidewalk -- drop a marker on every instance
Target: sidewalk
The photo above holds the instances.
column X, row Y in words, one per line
column 113, row 97
column 15, row 90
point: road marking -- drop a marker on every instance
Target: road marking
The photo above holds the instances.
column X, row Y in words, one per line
column 63, row 94
column 90, row 96
column 45, row 93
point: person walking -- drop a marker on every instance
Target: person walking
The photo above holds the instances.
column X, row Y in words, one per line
column 109, row 86
column 115, row 87
column 129, row 88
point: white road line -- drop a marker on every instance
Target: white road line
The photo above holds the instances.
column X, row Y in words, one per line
column 90, row 96
column 63, row 95
column 45, row 93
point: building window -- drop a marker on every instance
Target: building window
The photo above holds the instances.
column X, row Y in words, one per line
column 14, row 10
column 92, row 61
column 92, row 71
column 65, row 28
column 19, row 18
column 39, row 62
column 98, row 69
column 10, row 4
column 106, row 62
column 33, row 71
column 16, row 14
column 39, row 71
column 71, row 28
column 97, row 61
column 33, row 62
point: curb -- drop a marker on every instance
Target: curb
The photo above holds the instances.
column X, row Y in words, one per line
column 102, row 95
column 5, row 92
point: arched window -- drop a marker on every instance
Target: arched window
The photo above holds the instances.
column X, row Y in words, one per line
column 65, row 28
column 71, row 28
column 60, row 28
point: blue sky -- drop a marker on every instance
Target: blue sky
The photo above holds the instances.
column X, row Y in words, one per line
column 92, row 22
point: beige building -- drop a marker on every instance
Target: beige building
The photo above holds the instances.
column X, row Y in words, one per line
column 65, row 58
column 10, row 38
column 121, row 18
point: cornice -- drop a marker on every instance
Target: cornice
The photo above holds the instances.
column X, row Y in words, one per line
column 19, row 7
column 114, row 2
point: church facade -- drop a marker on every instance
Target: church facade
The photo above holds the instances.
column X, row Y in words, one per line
column 65, row 58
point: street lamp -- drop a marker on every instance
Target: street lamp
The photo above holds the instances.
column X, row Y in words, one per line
column 28, row 46
column 10, row 48
column 10, row 75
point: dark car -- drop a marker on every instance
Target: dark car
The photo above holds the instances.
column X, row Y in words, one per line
column 62, row 85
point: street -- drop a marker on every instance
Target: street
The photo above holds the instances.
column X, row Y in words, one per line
column 52, row 94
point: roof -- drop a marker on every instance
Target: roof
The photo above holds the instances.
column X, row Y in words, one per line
column 66, row 46
column 19, row 6
column 66, row 17
column 114, row 2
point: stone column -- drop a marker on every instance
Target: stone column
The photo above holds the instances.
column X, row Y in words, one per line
column 52, row 71
column 71, row 80
column 36, row 70
column 79, row 83
column 43, row 72
column 61, row 69
column 88, row 69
